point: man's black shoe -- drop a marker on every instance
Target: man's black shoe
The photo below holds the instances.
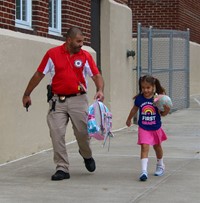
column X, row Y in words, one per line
column 90, row 164
column 60, row 175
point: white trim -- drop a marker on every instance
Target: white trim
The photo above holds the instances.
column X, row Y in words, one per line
column 25, row 24
column 56, row 30
column 198, row 102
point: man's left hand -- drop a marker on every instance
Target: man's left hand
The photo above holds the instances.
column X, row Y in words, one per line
column 99, row 96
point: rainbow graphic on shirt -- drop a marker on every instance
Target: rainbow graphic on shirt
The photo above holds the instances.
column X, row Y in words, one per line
column 148, row 110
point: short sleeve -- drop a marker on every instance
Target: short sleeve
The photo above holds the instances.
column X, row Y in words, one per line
column 46, row 64
column 137, row 103
column 90, row 65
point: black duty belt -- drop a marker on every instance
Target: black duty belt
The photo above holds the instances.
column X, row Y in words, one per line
column 62, row 97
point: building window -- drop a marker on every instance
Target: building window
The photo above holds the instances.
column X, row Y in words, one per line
column 23, row 17
column 55, row 17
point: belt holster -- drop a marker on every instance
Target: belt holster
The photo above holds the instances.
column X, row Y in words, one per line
column 49, row 93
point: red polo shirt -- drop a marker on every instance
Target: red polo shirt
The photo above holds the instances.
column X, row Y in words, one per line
column 67, row 72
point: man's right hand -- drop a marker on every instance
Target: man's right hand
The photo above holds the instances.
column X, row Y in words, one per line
column 34, row 81
column 26, row 100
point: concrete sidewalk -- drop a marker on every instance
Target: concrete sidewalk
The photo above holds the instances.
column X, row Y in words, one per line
column 116, row 177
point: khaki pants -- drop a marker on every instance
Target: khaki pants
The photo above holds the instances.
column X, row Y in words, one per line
column 75, row 109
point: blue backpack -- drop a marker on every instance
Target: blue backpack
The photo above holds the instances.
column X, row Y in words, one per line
column 99, row 122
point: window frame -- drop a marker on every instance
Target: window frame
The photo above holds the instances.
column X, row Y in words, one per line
column 26, row 24
column 53, row 30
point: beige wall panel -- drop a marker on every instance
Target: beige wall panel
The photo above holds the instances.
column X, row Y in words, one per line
column 116, row 37
column 194, row 68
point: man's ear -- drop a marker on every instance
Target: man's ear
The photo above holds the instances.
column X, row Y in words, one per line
column 68, row 40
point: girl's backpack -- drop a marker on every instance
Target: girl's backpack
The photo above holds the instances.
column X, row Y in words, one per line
column 99, row 123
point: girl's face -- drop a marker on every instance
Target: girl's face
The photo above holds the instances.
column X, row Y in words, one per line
column 147, row 90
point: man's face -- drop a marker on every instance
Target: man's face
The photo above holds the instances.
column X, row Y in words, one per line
column 76, row 43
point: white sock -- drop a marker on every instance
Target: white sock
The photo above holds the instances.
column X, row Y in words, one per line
column 144, row 163
column 160, row 162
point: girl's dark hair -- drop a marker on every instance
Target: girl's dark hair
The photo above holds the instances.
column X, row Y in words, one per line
column 153, row 81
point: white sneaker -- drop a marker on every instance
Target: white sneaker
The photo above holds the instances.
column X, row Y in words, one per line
column 160, row 170
column 143, row 176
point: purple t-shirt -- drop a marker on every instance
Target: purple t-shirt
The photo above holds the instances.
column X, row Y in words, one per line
column 149, row 118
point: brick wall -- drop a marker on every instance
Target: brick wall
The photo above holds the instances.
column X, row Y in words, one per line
column 190, row 18
column 40, row 17
column 159, row 14
column 74, row 13
column 7, row 14
column 167, row 14
column 77, row 13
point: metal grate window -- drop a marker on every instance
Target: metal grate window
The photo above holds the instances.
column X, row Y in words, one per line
column 165, row 55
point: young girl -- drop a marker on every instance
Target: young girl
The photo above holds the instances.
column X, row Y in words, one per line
column 149, row 123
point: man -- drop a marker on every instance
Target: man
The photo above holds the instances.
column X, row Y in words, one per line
column 68, row 66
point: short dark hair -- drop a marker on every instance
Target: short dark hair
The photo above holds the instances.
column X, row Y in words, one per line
column 73, row 31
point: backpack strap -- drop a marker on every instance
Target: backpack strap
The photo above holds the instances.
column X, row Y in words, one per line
column 106, row 116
